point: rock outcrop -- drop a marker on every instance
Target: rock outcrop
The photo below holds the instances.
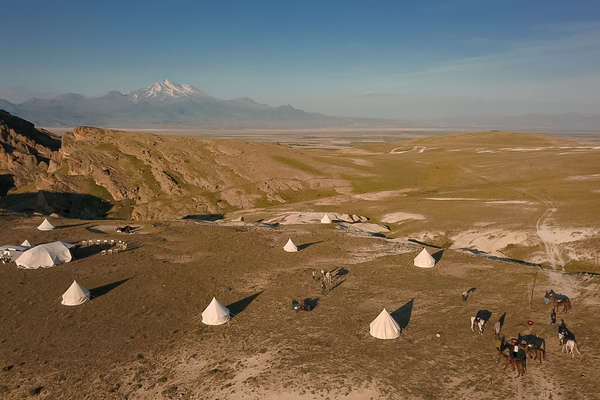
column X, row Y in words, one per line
column 25, row 152
column 146, row 176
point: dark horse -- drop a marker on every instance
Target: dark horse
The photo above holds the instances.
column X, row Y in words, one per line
column 558, row 299
column 534, row 346
column 516, row 360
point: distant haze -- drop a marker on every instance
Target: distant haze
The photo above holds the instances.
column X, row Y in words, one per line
column 418, row 61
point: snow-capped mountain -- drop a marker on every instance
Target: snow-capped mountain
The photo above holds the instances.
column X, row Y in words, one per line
column 163, row 103
column 166, row 90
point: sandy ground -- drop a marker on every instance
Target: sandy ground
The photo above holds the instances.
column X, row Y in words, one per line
column 141, row 336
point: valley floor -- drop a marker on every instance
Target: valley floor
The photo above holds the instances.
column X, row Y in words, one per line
column 142, row 336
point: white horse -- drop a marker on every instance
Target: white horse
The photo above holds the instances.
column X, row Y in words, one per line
column 571, row 347
column 480, row 324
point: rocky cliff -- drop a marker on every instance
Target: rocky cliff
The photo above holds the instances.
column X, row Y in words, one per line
column 146, row 176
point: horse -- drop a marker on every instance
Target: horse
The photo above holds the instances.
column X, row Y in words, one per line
column 498, row 325
column 480, row 319
column 571, row 346
column 557, row 300
column 564, row 333
column 534, row 346
column 515, row 359
column 566, row 339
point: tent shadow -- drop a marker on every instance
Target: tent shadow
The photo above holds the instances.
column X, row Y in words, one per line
column 84, row 252
column 240, row 305
column 205, row 217
column 102, row 290
column 424, row 243
column 94, row 230
column 437, row 256
column 403, row 314
column 69, row 226
column 307, row 245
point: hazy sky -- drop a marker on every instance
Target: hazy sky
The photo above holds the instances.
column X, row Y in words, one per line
column 396, row 59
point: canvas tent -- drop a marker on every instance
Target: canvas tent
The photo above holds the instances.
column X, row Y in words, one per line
column 384, row 326
column 326, row 219
column 44, row 256
column 13, row 251
column 26, row 243
column 45, row 226
column 215, row 313
column 75, row 295
column 290, row 247
column 424, row 260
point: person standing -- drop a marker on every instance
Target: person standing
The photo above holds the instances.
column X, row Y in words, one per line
column 323, row 287
column 553, row 318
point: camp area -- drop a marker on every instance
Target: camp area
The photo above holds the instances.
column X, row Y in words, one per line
column 194, row 301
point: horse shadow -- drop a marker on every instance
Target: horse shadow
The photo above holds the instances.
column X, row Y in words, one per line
column 102, row 290
column 437, row 256
column 402, row 315
column 240, row 305
column 336, row 285
column 310, row 303
column 307, row 245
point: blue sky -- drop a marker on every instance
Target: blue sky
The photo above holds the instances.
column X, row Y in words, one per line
column 396, row 59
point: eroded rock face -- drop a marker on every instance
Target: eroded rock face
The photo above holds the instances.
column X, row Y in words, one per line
column 148, row 176
column 170, row 177
column 25, row 152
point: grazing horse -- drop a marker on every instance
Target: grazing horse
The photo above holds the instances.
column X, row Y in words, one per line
column 557, row 300
column 480, row 319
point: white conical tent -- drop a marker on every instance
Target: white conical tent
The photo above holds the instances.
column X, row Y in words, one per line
column 45, row 226
column 290, row 247
column 215, row 313
column 384, row 326
column 424, row 260
column 75, row 295
column 44, row 255
column 326, row 219
column 26, row 243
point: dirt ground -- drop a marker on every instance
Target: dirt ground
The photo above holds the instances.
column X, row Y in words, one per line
column 142, row 337
column 517, row 197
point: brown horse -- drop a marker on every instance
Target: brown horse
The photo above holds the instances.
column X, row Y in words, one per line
column 536, row 353
column 557, row 300
column 516, row 363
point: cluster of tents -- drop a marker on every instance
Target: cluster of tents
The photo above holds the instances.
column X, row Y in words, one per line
column 50, row 254
column 45, row 255
column 382, row 327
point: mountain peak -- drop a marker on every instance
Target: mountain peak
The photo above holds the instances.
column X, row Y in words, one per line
column 166, row 90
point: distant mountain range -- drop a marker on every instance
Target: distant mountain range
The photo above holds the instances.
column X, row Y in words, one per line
column 164, row 103
column 169, row 104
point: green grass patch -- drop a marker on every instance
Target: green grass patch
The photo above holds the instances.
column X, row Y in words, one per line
column 582, row 266
column 293, row 163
